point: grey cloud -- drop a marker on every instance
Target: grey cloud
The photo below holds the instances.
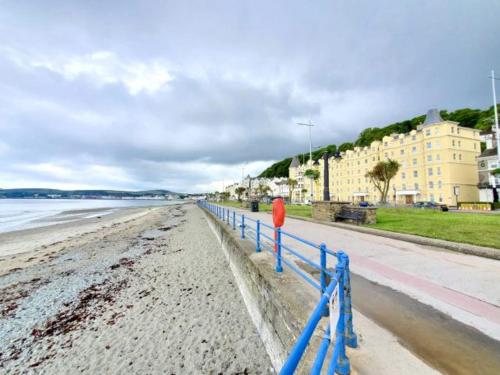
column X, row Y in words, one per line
column 243, row 74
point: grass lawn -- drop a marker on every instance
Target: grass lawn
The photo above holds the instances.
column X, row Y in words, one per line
column 472, row 228
column 291, row 209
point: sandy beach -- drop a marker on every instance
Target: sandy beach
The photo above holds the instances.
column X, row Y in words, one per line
column 141, row 290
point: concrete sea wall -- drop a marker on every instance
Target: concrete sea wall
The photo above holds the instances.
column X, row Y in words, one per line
column 279, row 303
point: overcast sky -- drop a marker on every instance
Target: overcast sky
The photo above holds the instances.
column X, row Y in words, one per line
column 181, row 95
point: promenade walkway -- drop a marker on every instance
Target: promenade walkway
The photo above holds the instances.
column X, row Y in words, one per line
column 464, row 286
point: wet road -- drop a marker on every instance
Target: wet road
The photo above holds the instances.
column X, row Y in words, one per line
column 445, row 344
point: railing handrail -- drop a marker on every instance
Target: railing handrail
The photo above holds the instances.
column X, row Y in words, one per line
column 340, row 279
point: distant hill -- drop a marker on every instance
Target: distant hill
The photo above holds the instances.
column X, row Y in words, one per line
column 51, row 193
column 470, row 118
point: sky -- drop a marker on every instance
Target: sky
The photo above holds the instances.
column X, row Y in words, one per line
column 188, row 95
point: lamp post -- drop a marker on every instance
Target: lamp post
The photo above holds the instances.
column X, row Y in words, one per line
column 309, row 125
column 496, row 112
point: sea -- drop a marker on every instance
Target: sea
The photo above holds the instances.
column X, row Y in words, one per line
column 17, row 214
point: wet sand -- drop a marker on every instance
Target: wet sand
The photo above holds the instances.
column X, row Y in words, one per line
column 148, row 291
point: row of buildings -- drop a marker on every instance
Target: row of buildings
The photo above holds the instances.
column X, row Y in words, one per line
column 440, row 161
column 255, row 187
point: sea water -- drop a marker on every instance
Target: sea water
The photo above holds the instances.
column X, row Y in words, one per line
column 16, row 214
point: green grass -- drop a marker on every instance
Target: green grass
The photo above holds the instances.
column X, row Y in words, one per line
column 472, row 228
column 291, row 209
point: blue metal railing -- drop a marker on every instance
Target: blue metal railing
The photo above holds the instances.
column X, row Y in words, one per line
column 339, row 282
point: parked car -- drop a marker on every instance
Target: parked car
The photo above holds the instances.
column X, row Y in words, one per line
column 431, row 205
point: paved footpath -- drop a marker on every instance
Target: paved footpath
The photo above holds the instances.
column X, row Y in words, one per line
column 464, row 286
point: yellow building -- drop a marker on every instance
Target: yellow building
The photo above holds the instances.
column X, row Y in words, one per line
column 437, row 160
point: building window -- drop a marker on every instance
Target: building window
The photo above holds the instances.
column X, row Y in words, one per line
column 402, row 151
column 459, row 143
column 431, row 185
column 474, row 145
column 414, row 149
column 416, row 186
column 386, row 154
column 454, row 156
column 428, row 132
column 438, row 171
column 452, row 130
column 415, row 173
column 385, row 144
column 429, row 144
column 438, row 157
column 458, row 130
column 404, row 187
column 459, row 156
column 413, row 137
column 453, row 142
column 429, row 171
column 403, row 175
column 440, row 184
column 414, row 161
column 429, row 157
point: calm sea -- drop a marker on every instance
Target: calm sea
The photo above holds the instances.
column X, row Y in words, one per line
column 18, row 214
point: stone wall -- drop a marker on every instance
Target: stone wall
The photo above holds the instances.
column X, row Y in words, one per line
column 327, row 210
column 279, row 303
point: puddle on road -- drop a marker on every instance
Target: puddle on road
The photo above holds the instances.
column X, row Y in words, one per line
column 445, row 344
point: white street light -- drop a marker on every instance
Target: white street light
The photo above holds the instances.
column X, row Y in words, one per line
column 309, row 125
column 496, row 113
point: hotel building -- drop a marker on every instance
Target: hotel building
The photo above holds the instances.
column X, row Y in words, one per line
column 438, row 163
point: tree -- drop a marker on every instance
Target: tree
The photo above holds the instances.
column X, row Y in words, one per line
column 240, row 190
column 312, row 173
column 381, row 175
column 304, row 191
column 263, row 190
column 292, row 183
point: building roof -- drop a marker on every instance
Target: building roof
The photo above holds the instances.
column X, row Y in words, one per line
column 432, row 117
column 295, row 162
column 489, row 152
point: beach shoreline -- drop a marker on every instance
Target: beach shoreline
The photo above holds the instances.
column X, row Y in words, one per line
column 142, row 290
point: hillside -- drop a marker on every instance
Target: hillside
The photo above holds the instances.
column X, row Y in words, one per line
column 470, row 118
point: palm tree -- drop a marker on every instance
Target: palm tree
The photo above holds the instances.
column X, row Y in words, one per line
column 240, row 190
column 263, row 190
column 381, row 176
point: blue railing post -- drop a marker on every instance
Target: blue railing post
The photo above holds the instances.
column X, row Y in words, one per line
column 279, row 267
column 322, row 276
column 234, row 220
column 228, row 211
column 242, row 226
column 341, row 364
column 257, row 237
column 351, row 339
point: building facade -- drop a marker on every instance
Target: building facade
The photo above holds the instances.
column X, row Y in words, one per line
column 489, row 184
column 438, row 160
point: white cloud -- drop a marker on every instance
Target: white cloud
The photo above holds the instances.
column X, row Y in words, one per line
column 105, row 67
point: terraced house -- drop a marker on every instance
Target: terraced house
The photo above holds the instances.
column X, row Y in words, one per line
column 438, row 163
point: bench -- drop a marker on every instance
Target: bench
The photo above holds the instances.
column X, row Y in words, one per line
column 356, row 216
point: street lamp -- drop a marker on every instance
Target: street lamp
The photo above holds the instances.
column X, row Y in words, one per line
column 309, row 125
column 495, row 111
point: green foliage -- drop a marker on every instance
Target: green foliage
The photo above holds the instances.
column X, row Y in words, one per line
column 279, row 169
column 312, row 173
column 495, row 171
column 382, row 174
column 467, row 117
